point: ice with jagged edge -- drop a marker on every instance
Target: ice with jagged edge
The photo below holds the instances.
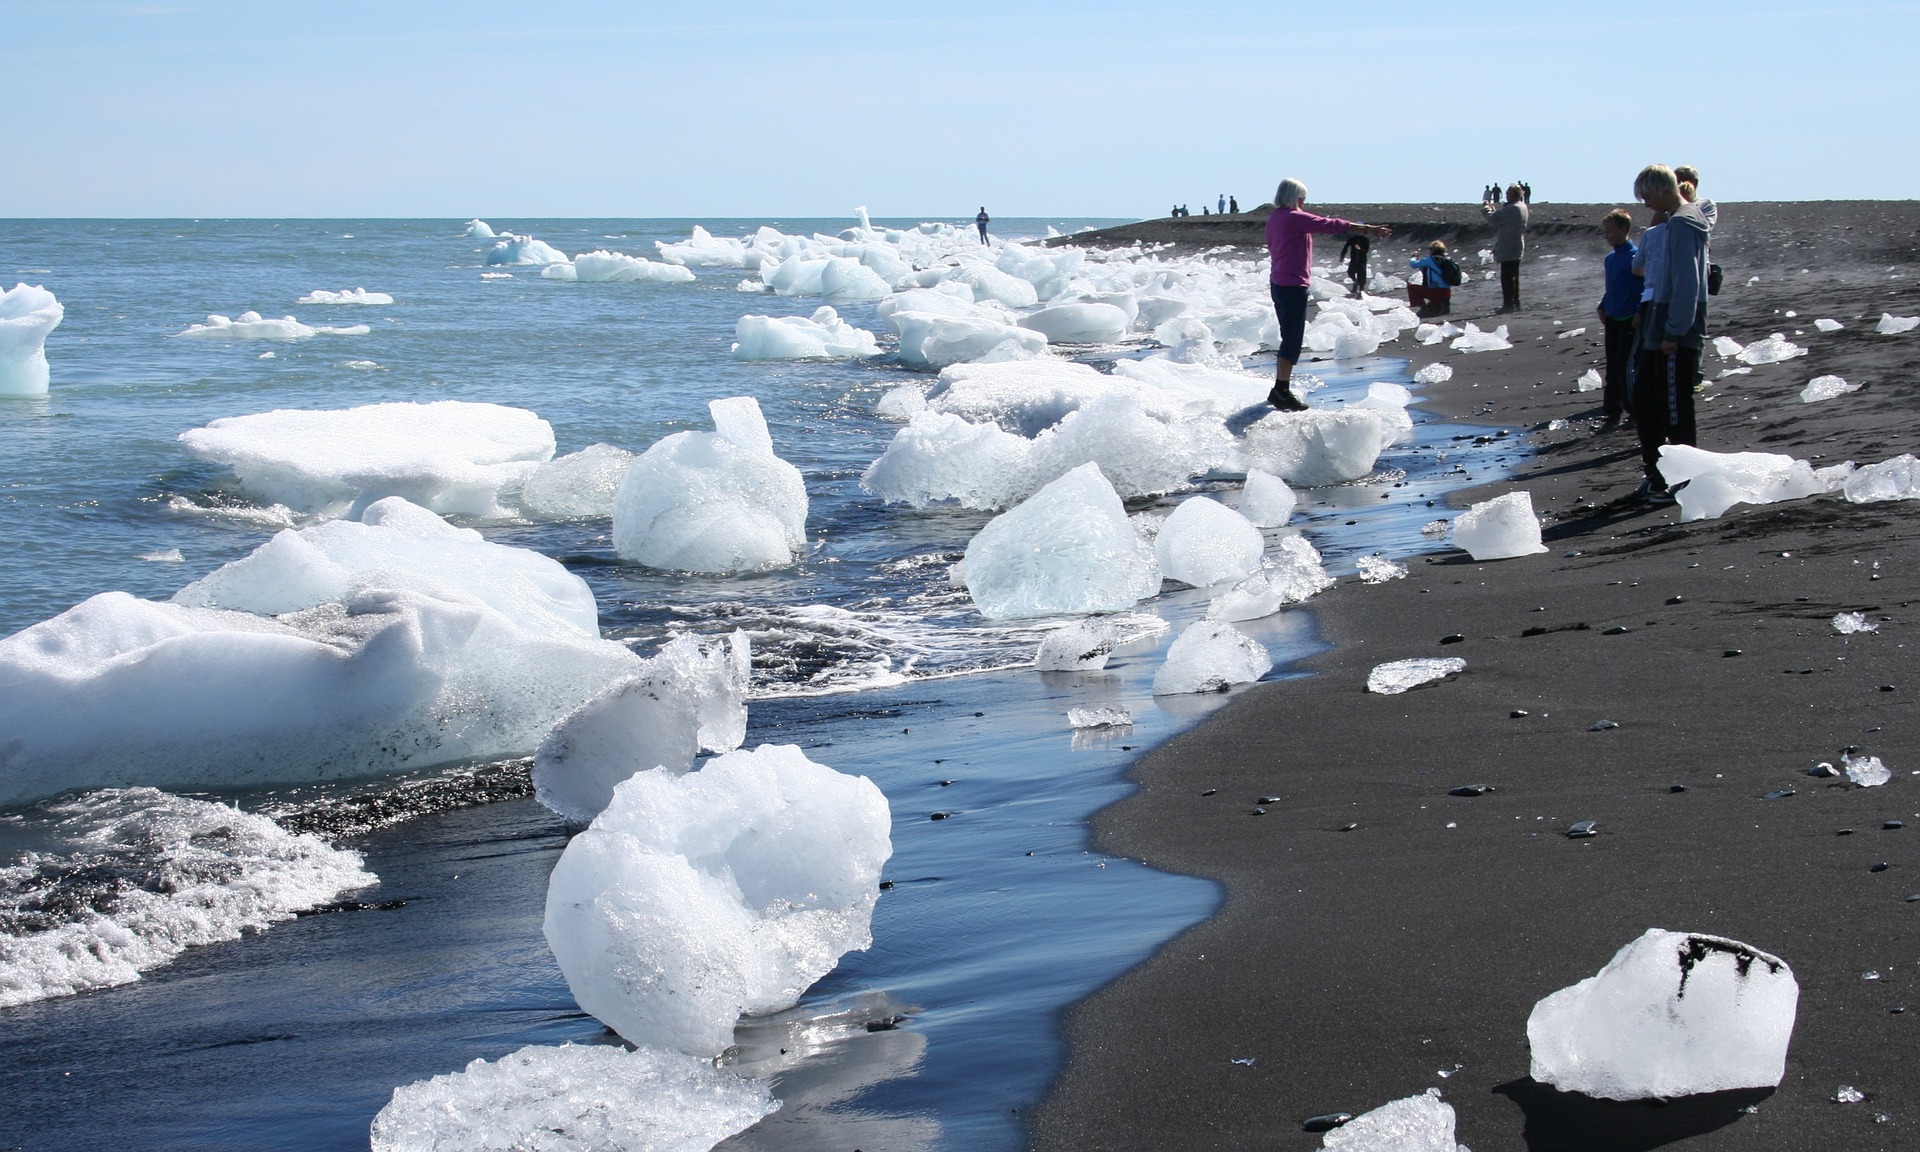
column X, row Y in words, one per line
column 1716, row 481
column 1292, row 574
column 1897, row 478
column 715, row 502
column 1422, row 1123
column 480, row 230
column 345, row 296
column 604, row 267
column 1204, row 543
column 690, row 697
column 454, row 457
column 1397, row 676
column 178, row 873
column 1826, row 388
column 822, row 336
column 252, row 326
column 574, row 1098
column 1434, row 374
column 1099, row 716
column 1081, row 646
column 1266, row 500
column 1864, row 770
column 578, row 486
column 1499, row 529
column 1210, row 655
column 1067, row 549
column 694, row 898
column 1772, row 350
column 1848, row 623
column 1672, row 1014
column 1474, row 340
column 345, row 650
column 1891, row 325
column 1589, row 381
column 1378, row 570
column 703, row 250
column 512, row 249
column 27, row 314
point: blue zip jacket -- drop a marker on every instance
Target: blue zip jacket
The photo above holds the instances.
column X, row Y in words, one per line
column 1622, row 296
column 1436, row 280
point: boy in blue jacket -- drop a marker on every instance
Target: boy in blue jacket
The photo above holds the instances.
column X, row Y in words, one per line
column 1674, row 328
column 1618, row 303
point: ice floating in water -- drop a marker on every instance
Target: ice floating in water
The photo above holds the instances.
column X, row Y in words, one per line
column 27, row 314
column 1068, row 549
column 705, row 250
column 1589, row 381
column 1894, row 479
column 1204, row 542
column 1379, row 570
column 1825, row 388
column 1672, row 1014
column 1826, row 325
column 574, row 1098
column 1891, row 325
column 1847, row 623
column 480, row 230
column 1716, row 481
column 1434, row 529
column 578, row 486
column 939, row 457
column 164, row 556
column 1475, row 340
column 1081, row 646
column 716, row 502
column 1317, row 447
column 823, row 336
column 1103, row 716
column 1266, row 500
column 692, row 899
column 1414, row 1124
column 1772, row 350
column 251, row 326
column 603, row 267
column 1292, row 575
column 1396, row 676
column 452, row 456
column 1079, row 323
column 1500, row 528
column 181, row 873
column 930, row 341
column 1865, row 771
column 523, row 250
column 1207, row 657
column 344, row 296
column 1434, row 374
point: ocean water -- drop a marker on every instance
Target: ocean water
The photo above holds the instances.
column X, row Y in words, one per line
column 998, row 916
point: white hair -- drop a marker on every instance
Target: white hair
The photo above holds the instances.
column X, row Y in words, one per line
column 1290, row 194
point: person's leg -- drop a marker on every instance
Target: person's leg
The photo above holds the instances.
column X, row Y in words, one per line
column 1686, row 374
column 1650, row 412
column 1417, row 297
column 1440, row 301
column 1290, row 308
column 1619, row 342
column 1509, row 285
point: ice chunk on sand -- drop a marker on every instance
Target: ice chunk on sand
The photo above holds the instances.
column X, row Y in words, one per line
column 1865, row 771
column 1891, row 325
column 1715, row 481
column 452, row 456
column 252, row 326
column 27, row 314
column 1103, row 716
column 689, row 697
column 1848, row 623
column 1589, row 381
column 1414, row 1124
column 930, row 341
column 1474, row 340
column 1081, row 646
column 1079, row 323
column 1068, row 549
column 577, row 486
column 523, row 250
column 1672, row 1014
column 1397, row 676
column 939, row 456
column 344, row 296
column 1317, row 447
column 1825, row 388
column 1772, row 350
column 1499, row 528
column 1897, row 478
column 1207, row 657
column 692, row 899
column 1726, row 347
column 574, row 1098
column 716, row 502
column 1826, row 325
column 1204, row 542
column 480, row 230
column 1266, row 500
column 1379, row 570
column 216, row 873
column 1434, row 374
column 604, row 267
column 1293, row 574
column 822, row 336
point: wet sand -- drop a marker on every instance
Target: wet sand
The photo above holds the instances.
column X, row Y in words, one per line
column 1348, row 968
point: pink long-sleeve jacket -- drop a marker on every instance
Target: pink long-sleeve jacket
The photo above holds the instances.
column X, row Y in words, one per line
column 1290, row 243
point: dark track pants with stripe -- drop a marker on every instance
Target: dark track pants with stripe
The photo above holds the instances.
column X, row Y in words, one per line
column 1663, row 403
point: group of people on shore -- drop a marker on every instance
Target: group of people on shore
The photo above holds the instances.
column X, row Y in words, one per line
column 1490, row 195
column 1227, row 206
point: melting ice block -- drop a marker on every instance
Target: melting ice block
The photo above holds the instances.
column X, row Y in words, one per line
column 939, row 456
column 604, row 267
column 578, row 486
column 1500, row 528
column 823, row 336
column 1474, row 340
column 1825, row 388
column 253, row 326
column 451, row 456
column 694, row 898
column 1716, row 481
column 524, row 250
column 1204, row 542
column 1266, row 500
column 716, row 502
column 1434, row 374
column 1397, row 676
column 1102, row 716
column 27, row 314
column 574, row 1098
column 704, row 249
column 1672, row 1014
column 480, row 230
column 1079, row 323
column 1414, row 1124
column 1083, row 645
column 1589, row 381
column 1891, row 325
column 930, row 341
column 345, row 296
column 1207, row 657
column 1068, row 549
column 1317, row 447
column 1897, row 478
column 1293, row 574
column 1772, row 350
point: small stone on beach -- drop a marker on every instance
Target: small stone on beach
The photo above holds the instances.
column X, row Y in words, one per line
column 1583, row 829
column 1325, row 1122
column 1602, row 725
column 1470, row 790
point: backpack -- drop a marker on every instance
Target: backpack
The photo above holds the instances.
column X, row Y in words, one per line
column 1449, row 271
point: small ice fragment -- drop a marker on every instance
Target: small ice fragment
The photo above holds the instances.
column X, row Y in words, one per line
column 1209, row 656
column 1848, row 1094
column 1434, row 529
column 1434, row 374
column 1499, row 528
column 165, row 556
column 1826, row 388
column 1569, row 332
column 1589, row 381
column 1556, row 425
column 268, row 356
column 1266, row 500
column 1869, row 975
column 1826, row 325
column 1847, row 623
column 1772, row 350
column 1474, row 340
column 1726, row 347
column 1865, row 771
column 1414, row 1124
column 1891, row 325
column 1080, row 646
column 1396, row 676
column 1602, row 725
column 1100, row 716
column 1379, row 570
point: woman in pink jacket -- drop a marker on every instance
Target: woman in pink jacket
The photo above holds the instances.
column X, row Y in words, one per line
column 1290, row 248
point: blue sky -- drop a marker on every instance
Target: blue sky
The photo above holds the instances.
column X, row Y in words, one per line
column 1061, row 109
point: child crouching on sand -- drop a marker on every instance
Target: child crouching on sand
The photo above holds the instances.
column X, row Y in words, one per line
column 1618, row 303
column 1433, row 296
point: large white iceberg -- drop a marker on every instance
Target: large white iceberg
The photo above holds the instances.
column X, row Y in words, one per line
column 604, row 267
column 822, row 336
column 1209, row 656
column 695, row 898
column 1204, row 543
column 1716, row 481
column 513, row 249
column 1500, row 528
column 1672, row 1014
column 27, row 314
column 1068, row 549
column 716, row 502
column 451, row 456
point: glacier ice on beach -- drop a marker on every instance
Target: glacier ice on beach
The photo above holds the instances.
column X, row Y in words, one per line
column 578, row 486
column 704, row 250
column 1291, row 574
column 574, row 1098
column 1897, row 478
column 513, row 249
column 1826, row 325
column 1266, row 500
column 1082, row 646
column 1317, row 447
column 604, row 267
column 1422, row 1123
column 1069, row 548
column 1434, row 374
column 1825, row 388
column 252, row 326
column 1864, row 770
column 1891, row 325
column 1210, row 655
column 1848, row 623
column 1589, row 381
column 1100, row 716
column 1078, row 323
column 1499, row 529
column 1397, row 676
column 931, row 341
column 454, row 457
column 214, row 874
column 1716, row 481
column 1204, row 542
column 694, row 898
column 942, row 457
column 345, row 296
column 716, row 502
column 27, row 313
column 1379, row 570
column 1474, row 340
column 822, row 336
column 1772, row 350
column 1672, row 1014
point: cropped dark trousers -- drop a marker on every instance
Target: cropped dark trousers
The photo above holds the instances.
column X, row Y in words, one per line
column 1663, row 403
column 1509, row 283
column 1619, row 366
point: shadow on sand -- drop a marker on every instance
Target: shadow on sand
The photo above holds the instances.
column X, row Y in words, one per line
column 1570, row 1122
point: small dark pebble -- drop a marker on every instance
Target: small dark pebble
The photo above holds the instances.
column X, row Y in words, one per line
column 1914, row 899
column 1886, row 687
column 1617, row 630
column 1453, row 639
column 1470, row 790
column 1126, row 747
column 979, row 713
column 1823, row 770
column 1268, row 800
column 1258, row 812
column 1517, row 714
column 1210, row 792
column 939, row 815
column 1730, row 652
column 1601, row 725
column 1895, row 1011
column 1779, row 794
column 1326, row 1122
column 1676, row 599
column 885, row 1023
column 885, row 885
column 1892, row 824
column 946, row 783
column 1584, row 829
column 1348, row 827
column 1844, row 832
column 1676, row 787
column 1879, row 866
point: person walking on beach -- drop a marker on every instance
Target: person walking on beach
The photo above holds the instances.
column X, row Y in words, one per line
column 1290, row 232
column 1673, row 330
column 1433, row 296
column 1619, row 301
column 1354, row 251
column 1509, row 245
column 980, row 222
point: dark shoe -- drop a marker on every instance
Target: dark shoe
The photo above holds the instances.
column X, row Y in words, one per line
column 1283, row 398
column 1610, row 424
column 1661, row 497
column 1649, row 493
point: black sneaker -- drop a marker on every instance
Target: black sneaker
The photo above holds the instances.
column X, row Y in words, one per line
column 1283, row 398
column 1610, row 424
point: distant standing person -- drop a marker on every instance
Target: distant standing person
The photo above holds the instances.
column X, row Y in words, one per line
column 1233, row 205
column 1354, row 251
column 1673, row 330
column 1526, row 193
column 1509, row 245
column 1619, row 301
column 980, row 222
column 1290, row 233
column 1222, row 206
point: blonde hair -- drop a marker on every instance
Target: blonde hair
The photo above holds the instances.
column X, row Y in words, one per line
column 1290, row 193
column 1656, row 178
column 1437, row 247
column 1687, row 174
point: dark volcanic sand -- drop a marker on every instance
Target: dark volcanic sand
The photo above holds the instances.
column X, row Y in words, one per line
column 1353, row 967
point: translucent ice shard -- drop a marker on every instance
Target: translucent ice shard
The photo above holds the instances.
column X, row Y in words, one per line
column 1397, row 676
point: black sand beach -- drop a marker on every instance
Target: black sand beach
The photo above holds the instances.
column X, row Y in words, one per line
column 1350, row 968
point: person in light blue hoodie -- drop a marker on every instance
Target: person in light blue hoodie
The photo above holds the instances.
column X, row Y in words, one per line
column 1673, row 327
